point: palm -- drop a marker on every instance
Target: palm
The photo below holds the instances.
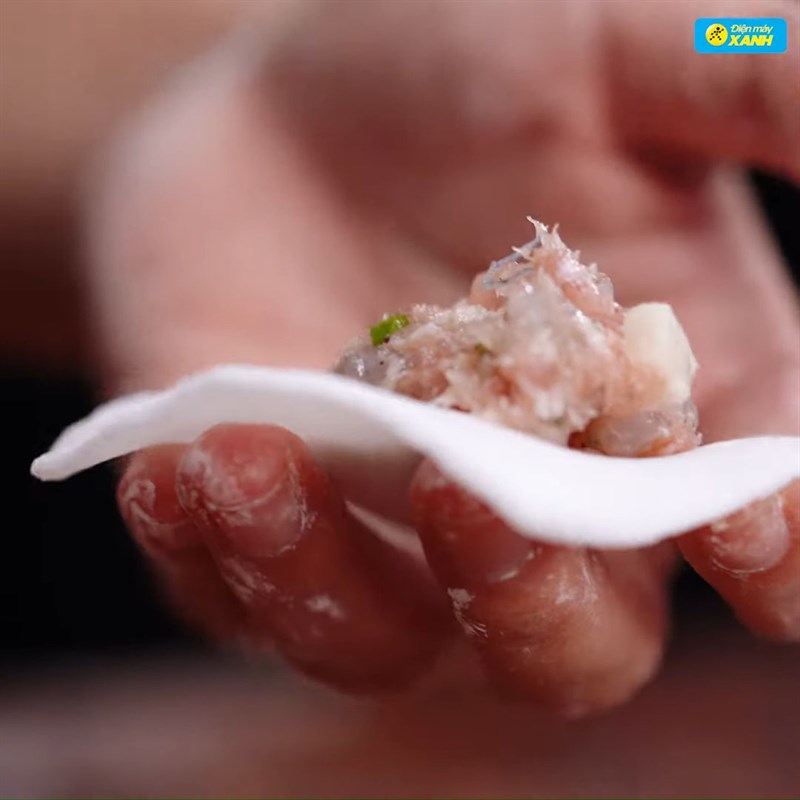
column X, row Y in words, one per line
column 283, row 228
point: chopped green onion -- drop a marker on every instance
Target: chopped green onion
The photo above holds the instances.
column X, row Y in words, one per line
column 481, row 349
column 381, row 332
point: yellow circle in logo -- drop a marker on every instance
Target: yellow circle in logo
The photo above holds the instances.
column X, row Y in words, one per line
column 716, row 34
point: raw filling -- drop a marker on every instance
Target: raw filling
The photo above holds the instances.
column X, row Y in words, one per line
column 541, row 345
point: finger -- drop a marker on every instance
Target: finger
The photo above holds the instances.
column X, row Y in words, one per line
column 176, row 551
column 753, row 560
column 337, row 602
column 742, row 108
column 575, row 630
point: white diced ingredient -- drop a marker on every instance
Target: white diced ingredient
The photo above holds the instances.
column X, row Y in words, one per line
column 655, row 338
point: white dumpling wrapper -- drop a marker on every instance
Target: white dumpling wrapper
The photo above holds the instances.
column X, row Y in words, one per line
column 371, row 438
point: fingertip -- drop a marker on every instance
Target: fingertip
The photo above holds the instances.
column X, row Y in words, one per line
column 232, row 464
column 247, row 485
column 148, row 469
column 148, row 502
column 187, row 576
column 752, row 559
column 752, row 540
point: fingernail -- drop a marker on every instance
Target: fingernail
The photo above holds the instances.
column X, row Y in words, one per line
column 752, row 540
column 136, row 499
column 154, row 524
column 258, row 508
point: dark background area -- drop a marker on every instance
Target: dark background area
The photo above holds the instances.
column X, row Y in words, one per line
column 72, row 584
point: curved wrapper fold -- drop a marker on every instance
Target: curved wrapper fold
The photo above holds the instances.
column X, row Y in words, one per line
column 372, row 438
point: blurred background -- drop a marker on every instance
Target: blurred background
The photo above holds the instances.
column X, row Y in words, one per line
column 103, row 693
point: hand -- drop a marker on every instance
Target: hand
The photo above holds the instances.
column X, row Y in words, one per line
column 275, row 202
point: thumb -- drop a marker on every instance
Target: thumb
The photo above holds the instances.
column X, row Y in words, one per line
column 741, row 107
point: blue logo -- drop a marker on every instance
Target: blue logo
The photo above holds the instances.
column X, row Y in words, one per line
column 740, row 35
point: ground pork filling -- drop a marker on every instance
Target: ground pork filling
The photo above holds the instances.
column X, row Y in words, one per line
column 541, row 345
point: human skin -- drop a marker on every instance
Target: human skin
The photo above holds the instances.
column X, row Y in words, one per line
column 279, row 199
column 71, row 72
